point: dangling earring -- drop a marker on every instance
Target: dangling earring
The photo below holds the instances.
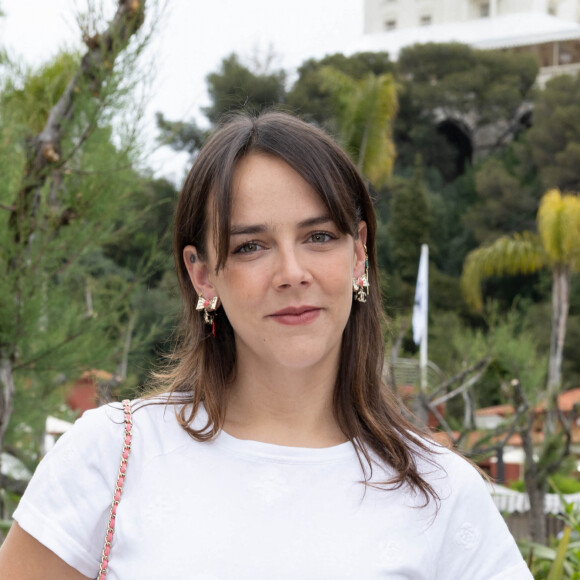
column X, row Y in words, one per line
column 360, row 285
column 209, row 308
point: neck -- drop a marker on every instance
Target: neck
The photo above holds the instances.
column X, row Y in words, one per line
column 283, row 406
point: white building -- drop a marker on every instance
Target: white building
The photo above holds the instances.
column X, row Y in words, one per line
column 549, row 29
column 386, row 15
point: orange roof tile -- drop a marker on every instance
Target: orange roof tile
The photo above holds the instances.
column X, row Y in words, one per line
column 501, row 410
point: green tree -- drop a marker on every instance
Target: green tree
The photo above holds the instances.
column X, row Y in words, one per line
column 233, row 87
column 454, row 81
column 508, row 195
column 62, row 187
column 557, row 247
column 555, row 133
column 409, row 223
column 512, row 370
column 30, row 106
column 458, row 79
column 365, row 110
column 236, row 87
column 311, row 97
column 181, row 135
column 519, row 367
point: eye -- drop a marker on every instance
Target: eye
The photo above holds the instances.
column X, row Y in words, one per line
column 321, row 237
column 247, row 248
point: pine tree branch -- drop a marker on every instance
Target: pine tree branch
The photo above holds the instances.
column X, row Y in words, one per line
column 459, row 376
column 461, row 389
column 45, row 149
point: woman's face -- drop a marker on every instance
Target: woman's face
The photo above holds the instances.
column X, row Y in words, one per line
column 286, row 286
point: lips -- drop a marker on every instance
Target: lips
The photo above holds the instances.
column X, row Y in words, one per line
column 295, row 315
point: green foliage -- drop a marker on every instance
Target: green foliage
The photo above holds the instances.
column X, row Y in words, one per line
column 564, row 484
column 506, row 203
column 415, row 132
column 451, row 240
column 515, row 352
column 458, row 78
column 448, row 339
column 444, row 291
column 28, row 105
column 458, row 83
column 66, row 306
column 409, row 225
column 235, row 87
column 152, row 207
column 181, row 135
column 311, row 98
column 518, row 485
column 364, row 109
column 512, row 349
column 49, row 314
column 559, row 228
column 555, row 133
column 560, row 560
column 522, row 253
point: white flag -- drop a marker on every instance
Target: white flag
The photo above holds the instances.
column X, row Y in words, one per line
column 420, row 307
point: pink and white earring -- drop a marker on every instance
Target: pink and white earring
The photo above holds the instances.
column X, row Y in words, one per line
column 360, row 285
column 209, row 307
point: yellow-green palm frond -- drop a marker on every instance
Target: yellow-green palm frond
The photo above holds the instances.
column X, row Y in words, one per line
column 379, row 103
column 521, row 254
column 365, row 109
column 343, row 90
column 559, row 227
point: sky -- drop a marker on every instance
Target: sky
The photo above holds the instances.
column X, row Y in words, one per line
column 191, row 40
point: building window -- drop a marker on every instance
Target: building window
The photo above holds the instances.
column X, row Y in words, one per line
column 426, row 20
column 390, row 24
column 484, row 10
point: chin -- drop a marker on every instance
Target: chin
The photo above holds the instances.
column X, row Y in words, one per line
column 302, row 358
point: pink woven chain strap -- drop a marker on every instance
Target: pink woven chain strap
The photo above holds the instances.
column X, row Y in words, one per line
column 118, row 489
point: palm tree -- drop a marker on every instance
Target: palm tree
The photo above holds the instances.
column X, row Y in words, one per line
column 365, row 110
column 557, row 247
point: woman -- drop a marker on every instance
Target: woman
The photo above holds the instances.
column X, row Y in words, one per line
column 274, row 450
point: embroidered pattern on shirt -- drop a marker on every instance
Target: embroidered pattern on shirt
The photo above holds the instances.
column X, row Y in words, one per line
column 390, row 552
column 467, row 536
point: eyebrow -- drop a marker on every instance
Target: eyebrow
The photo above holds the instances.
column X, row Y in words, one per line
column 242, row 230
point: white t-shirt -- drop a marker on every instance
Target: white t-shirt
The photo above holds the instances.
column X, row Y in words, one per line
column 231, row 509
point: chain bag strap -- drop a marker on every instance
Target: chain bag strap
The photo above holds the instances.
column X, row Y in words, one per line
column 128, row 435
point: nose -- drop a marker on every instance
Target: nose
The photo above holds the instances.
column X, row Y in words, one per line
column 291, row 269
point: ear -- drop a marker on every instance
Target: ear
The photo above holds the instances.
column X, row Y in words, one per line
column 199, row 273
column 359, row 250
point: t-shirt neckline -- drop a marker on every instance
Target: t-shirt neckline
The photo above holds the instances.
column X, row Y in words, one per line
column 283, row 453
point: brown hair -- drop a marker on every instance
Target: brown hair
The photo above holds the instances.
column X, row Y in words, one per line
column 202, row 366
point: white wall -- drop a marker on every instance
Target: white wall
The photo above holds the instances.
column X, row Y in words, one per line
column 408, row 13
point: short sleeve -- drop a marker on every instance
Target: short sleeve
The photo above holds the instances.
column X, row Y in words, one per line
column 477, row 543
column 66, row 504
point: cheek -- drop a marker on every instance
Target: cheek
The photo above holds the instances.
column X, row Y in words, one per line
column 239, row 288
column 337, row 276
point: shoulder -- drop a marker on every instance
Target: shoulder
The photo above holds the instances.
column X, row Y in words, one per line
column 456, row 480
column 90, row 450
column 443, row 467
column 67, row 502
column 156, row 429
column 471, row 536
